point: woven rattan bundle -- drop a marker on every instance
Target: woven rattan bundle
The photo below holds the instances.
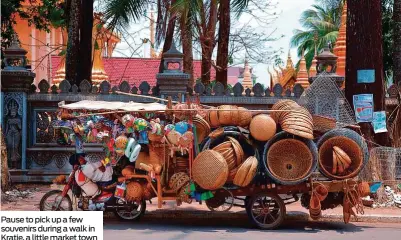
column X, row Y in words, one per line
column 262, row 127
column 229, row 117
column 246, row 172
column 134, row 191
column 213, row 119
column 181, row 164
column 210, row 170
column 336, row 148
column 202, row 128
column 157, row 153
column 244, row 117
column 289, row 159
column 178, row 180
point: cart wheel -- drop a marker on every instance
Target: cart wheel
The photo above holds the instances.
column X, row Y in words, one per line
column 266, row 210
column 222, row 201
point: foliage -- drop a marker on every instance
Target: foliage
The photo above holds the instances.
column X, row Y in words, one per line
column 8, row 10
column 387, row 26
column 119, row 13
column 45, row 14
column 323, row 22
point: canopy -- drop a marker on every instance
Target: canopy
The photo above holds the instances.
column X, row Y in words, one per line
column 112, row 106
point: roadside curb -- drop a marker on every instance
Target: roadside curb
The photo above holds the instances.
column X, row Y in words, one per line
column 291, row 216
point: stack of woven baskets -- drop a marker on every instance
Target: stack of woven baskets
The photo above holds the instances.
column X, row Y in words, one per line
column 229, row 115
column 293, row 118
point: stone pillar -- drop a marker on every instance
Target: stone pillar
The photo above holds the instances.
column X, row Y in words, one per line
column 172, row 81
column 16, row 81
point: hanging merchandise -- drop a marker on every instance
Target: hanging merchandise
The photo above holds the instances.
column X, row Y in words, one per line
column 181, row 127
column 379, row 122
column 141, row 125
column 120, row 191
column 133, row 149
column 128, row 122
column 363, row 106
column 121, row 144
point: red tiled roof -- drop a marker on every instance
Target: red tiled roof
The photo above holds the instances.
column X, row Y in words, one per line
column 133, row 70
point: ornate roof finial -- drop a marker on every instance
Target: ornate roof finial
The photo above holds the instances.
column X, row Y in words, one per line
column 302, row 76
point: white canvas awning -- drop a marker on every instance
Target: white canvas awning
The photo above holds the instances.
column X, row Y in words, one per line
column 112, row 106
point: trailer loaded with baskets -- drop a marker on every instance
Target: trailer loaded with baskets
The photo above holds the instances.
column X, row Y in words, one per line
column 188, row 152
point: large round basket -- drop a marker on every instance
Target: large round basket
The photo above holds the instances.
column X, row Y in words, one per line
column 289, row 159
column 210, row 170
column 348, row 141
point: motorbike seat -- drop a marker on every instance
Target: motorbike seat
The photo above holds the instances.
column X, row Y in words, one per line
column 107, row 186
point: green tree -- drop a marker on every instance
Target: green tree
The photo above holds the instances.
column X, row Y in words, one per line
column 397, row 41
column 322, row 21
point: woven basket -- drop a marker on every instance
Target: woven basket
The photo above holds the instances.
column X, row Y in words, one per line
column 289, row 159
column 239, row 152
column 323, row 124
column 282, row 105
column 228, row 118
column 246, row 172
column 262, row 127
column 244, row 117
column 178, row 180
column 355, row 147
column 134, row 191
column 158, row 153
column 202, row 128
column 148, row 192
column 181, row 164
column 210, row 170
column 350, row 147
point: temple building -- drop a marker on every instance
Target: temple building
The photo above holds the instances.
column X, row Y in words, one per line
column 285, row 77
column 340, row 47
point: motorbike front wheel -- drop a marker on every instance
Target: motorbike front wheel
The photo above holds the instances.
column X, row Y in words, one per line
column 54, row 201
column 134, row 213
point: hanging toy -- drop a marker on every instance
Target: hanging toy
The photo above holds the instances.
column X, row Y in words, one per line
column 133, row 149
column 181, row 127
column 128, row 121
column 156, row 127
column 141, row 125
column 121, row 143
column 168, row 128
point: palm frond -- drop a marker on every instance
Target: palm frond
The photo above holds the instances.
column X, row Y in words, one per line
column 119, row 13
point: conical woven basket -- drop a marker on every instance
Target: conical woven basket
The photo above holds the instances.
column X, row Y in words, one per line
column 289, row 159
column 210, row 170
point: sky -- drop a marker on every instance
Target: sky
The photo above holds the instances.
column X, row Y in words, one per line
column 289, row 12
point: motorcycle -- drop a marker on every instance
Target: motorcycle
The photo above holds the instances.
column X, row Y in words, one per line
column 57, row 200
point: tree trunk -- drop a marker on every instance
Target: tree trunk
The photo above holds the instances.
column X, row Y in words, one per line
column 365, row 51
column 72, row 53
column 397, row 42
column 85, row 44
column 168, row 40
column 224, row 37
column 186, row 39
column 208, row 41
column 5, row 175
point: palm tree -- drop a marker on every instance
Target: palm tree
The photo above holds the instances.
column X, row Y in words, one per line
column 323, row 21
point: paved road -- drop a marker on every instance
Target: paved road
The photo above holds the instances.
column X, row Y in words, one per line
column 205, row 229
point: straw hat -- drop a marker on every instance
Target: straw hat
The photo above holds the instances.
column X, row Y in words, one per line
column 262, row 127
column 210, row 170
column 134, row 191
column 246, row 172
column 289, row 160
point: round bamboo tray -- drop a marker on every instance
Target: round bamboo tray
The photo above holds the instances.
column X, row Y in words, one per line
column 246, row 172
column 210, row 170
column 289, row 159
column 262, row 127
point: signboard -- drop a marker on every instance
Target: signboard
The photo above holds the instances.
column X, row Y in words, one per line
column 363, row 106
column 366, row 76
column 379, row 122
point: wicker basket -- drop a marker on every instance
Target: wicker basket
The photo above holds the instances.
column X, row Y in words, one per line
column 246, row 172
column 228, row 118
column 148, row 192
column 323, row 124
column 289, row 159
column 262, row 127
column 210, row 170
column 214, row 119
column 134, row 191
column 350, row 147
column 244, row 117
column 181, row 164
column 299, row 122
column 202, row 128
column 282, row 105
column 178, row 180
column 351, row 143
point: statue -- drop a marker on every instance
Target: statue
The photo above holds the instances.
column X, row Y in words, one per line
column 13, row 134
